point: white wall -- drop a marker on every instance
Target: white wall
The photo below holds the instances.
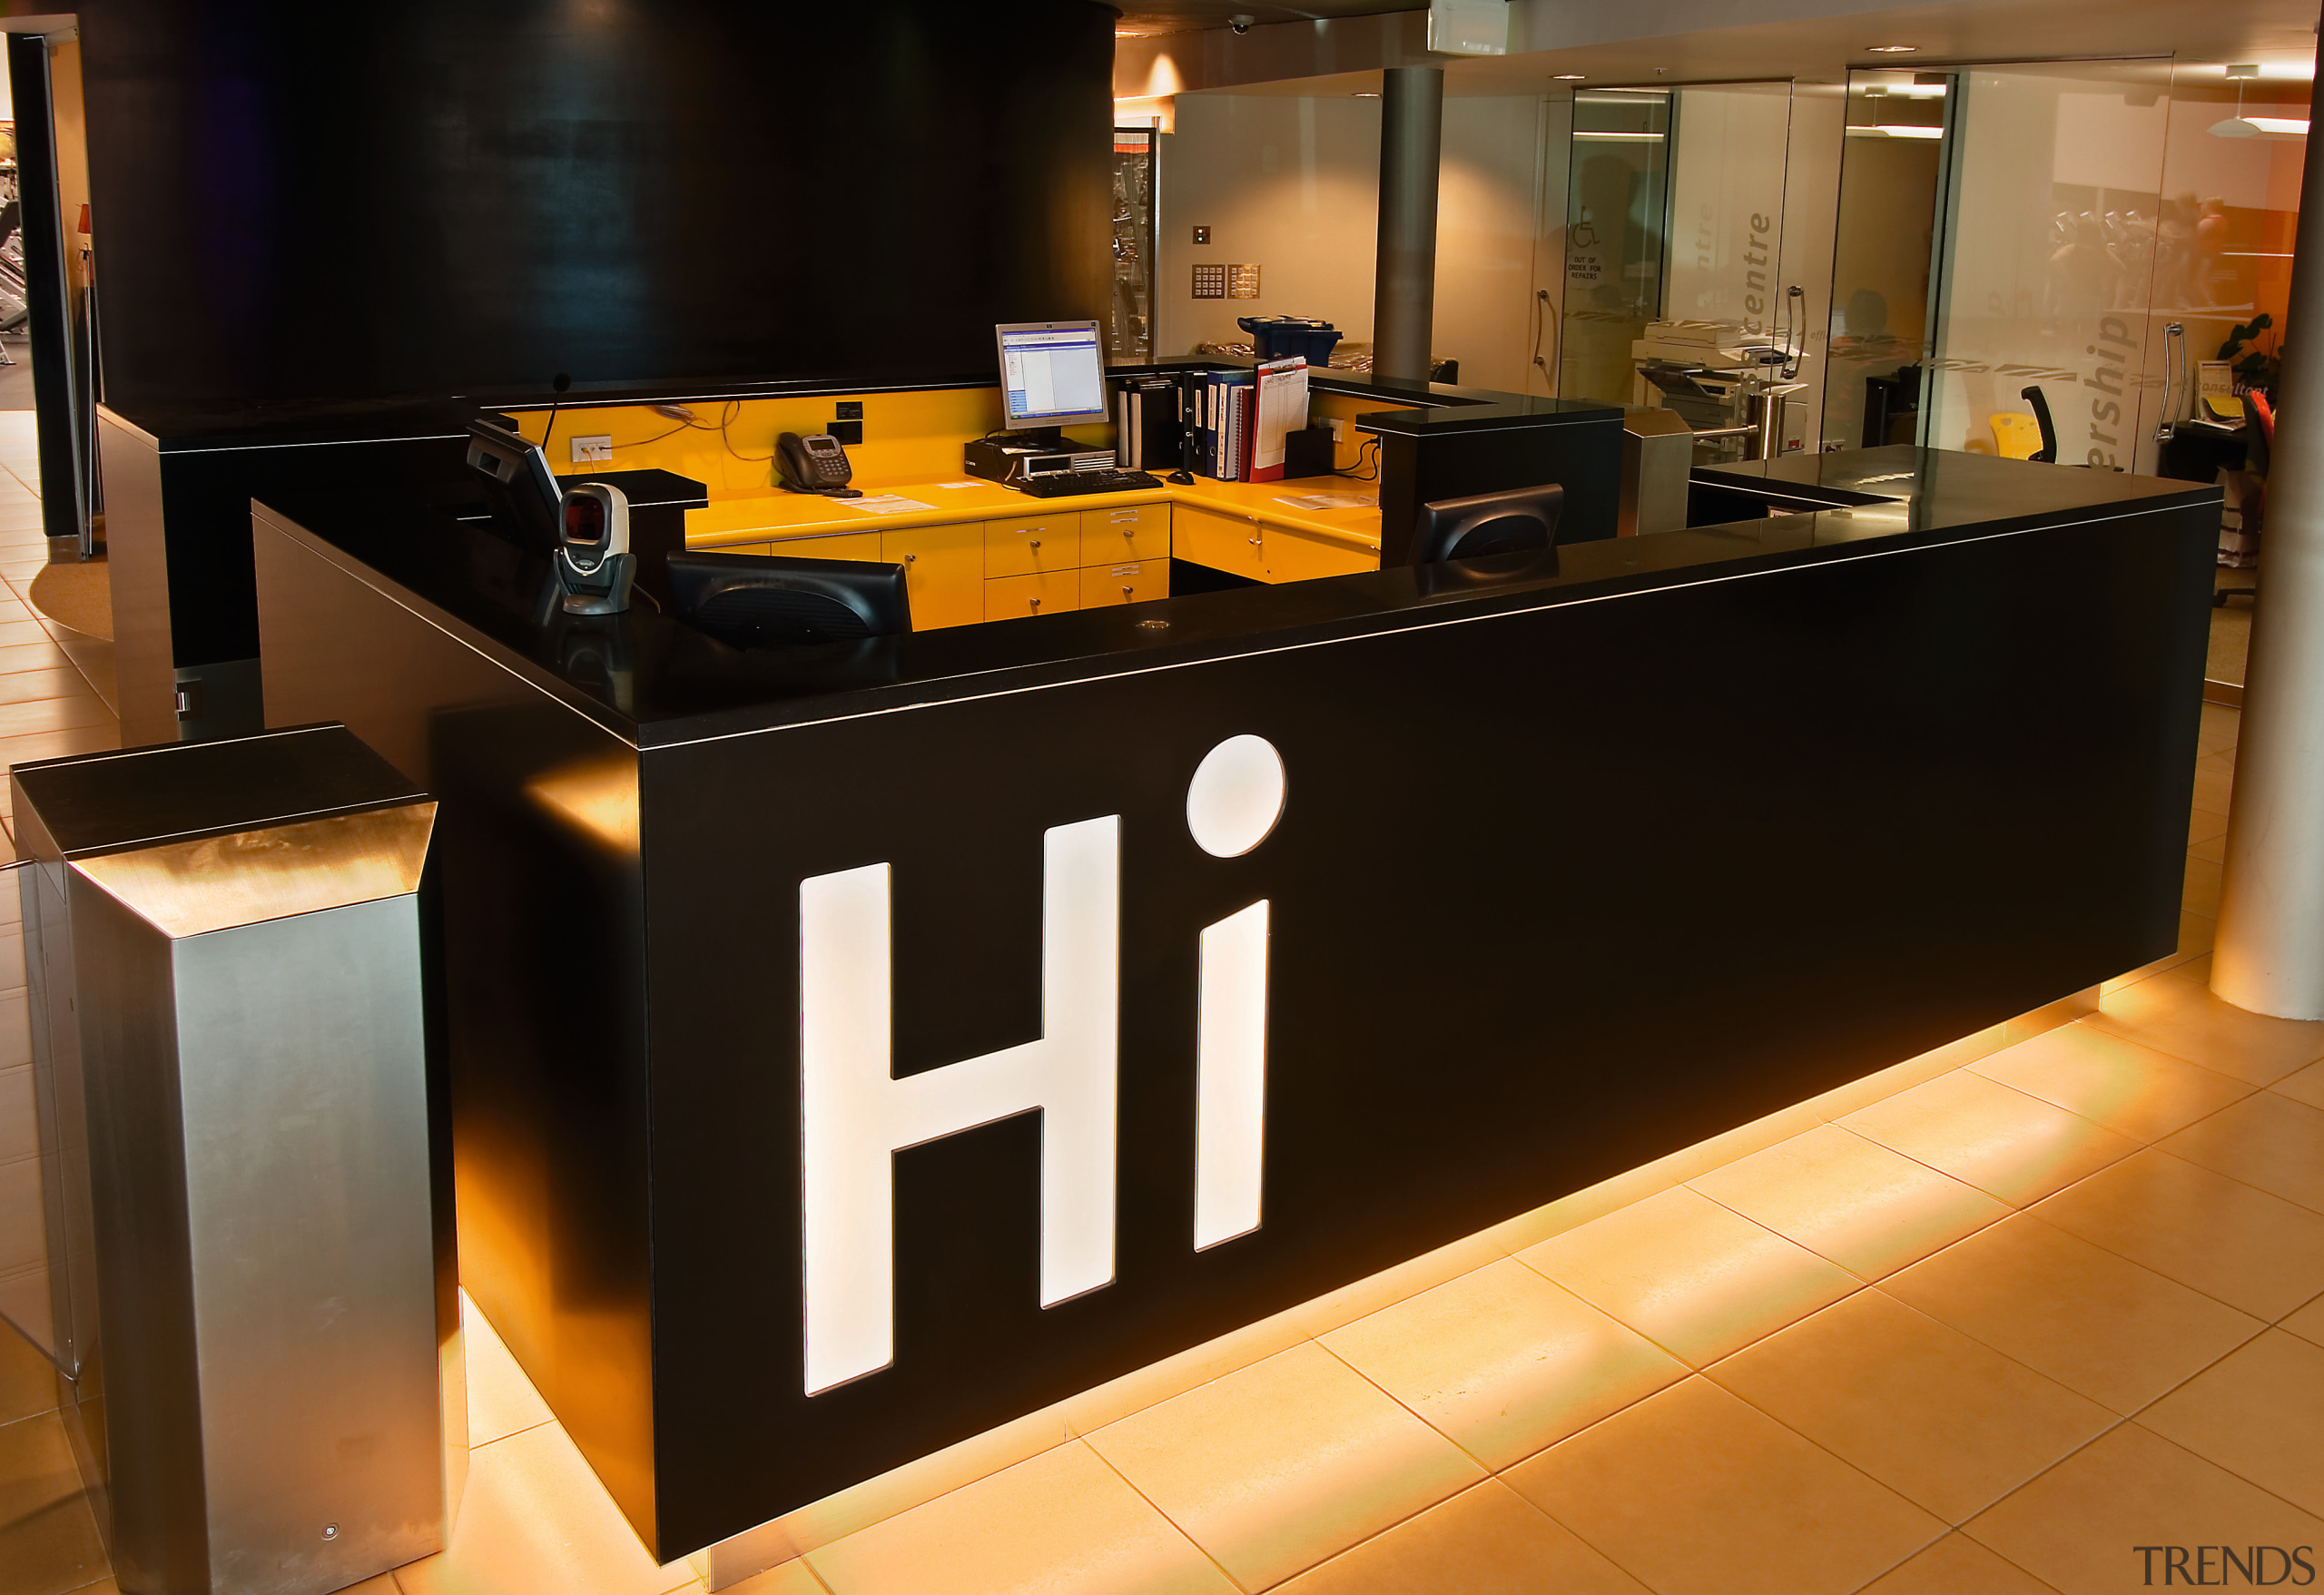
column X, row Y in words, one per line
column 1292, row 185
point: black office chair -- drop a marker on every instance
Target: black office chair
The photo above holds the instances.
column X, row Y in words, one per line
column 2048, row 453
column 1515, row 520
column 761, row 600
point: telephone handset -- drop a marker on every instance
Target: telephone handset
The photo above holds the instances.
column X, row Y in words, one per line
column 815, row 464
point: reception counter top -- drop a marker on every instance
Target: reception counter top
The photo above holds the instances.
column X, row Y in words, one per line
column 847, row 1042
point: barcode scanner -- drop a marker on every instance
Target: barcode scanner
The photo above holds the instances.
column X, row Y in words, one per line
column 594, row 564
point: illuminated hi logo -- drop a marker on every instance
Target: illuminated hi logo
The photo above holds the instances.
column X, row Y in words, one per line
column 855, row 1114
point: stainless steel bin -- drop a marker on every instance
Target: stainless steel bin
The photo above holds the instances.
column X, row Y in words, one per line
column 223, row 947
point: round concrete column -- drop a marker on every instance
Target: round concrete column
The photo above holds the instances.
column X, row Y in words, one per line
column 2271, row 953
column 1403, row 295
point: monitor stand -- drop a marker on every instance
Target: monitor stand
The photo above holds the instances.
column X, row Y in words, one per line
column 1043, row 439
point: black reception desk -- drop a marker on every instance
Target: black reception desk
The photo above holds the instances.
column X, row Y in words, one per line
column 1572, row 869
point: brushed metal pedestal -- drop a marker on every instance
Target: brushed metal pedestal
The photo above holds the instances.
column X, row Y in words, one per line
column 224, row 947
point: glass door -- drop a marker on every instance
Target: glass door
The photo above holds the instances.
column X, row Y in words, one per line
column 1617, row 220
column 1885, row 256
column 1129, row 318
column 2051, row 222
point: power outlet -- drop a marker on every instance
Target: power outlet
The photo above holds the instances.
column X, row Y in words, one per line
column 1339, row 429
column 593, row 450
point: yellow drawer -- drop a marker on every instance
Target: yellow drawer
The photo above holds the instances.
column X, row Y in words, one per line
column 1124, row 584
column 1031, row 543
column 1131, row 531
column 1223, row 541
column 943, row 571
column 864, row 546
column 1047, row 592
column 1293, row 557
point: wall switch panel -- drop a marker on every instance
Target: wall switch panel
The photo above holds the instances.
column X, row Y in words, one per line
column 586, row 450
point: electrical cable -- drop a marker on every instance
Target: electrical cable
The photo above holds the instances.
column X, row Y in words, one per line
column 1355, row 473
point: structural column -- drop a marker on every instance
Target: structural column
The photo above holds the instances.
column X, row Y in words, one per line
column 2271, row 953
column 1411, row 129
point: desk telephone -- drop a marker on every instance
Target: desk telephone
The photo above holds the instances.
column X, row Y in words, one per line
column 815, row 464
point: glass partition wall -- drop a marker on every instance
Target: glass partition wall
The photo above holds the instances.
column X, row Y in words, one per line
column 1674, row 238
column 2093, row 229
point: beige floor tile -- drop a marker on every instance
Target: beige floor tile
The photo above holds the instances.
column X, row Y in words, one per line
column 77, row 712
column 1278, row 1467
column 2266, row 1140
column 2202, row 826
column 1945, row 1421
column 1694, row 1277
column 501, row 1401
column 48, row 1540
column 1503, row 1362
column 2251, row 1250
column 2214, row 789
column 2258, row 1413
column 2222, row 724
column 2130, row 1089
column 1062, row 1521
column 793, row 1577
column 24, row 687
column 2196, row 970
column 1488, row 1540
column 2307, row 1086
column 27, row 1379
column 1867, row 1209
column 2307, row 1321
column 2195, row 934
column 533, row 1519
column 2097, row 1324
column 2199, row 889
column 33, row 656
column 1696, row 1491
column 2012, row 1145
column 2211, row 849
column 1958, row 1565
column 2187, row 1021
column 2074, row 1527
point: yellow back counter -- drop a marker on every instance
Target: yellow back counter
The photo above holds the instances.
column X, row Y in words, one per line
column 974, row 550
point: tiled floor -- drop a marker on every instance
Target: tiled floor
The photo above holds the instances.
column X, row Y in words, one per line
column 1982, row 1324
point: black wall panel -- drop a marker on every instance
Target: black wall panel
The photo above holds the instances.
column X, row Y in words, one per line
column 467, row 196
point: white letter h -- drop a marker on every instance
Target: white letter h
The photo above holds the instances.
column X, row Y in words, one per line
column 854, row 1114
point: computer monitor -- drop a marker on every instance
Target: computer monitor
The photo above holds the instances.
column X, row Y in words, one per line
column 1052, row 374
column 1514, row 520
column 523, row 493
column 761, row 600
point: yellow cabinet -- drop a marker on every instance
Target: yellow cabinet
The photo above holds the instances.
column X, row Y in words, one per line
column 862, row 545
column 1032, row 543
column 944, row 572
column 1125, row 584
column 1292, row 557
column 1127, row 532
column 1223, row 541
column 1049, row 591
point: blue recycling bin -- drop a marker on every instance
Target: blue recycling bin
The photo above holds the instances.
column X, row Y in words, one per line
column 1276, row 337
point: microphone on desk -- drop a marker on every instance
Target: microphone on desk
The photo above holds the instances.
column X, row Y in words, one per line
column 560, row 384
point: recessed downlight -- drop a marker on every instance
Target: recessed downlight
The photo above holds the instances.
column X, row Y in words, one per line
column 1891, row 49
column 1568, row 77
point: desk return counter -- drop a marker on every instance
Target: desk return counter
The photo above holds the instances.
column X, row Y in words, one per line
column 856, row 1047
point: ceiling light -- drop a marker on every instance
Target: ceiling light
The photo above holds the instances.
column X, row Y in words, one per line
column 2290, row 127
column 1366, row 94
column 1568, row 77
column 1892, row 49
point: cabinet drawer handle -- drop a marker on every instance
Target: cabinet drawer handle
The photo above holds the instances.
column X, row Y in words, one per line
column 1037, row 606
column 1035, row 544
column 910, row 557
column 1254, row 542
column 1125, row 592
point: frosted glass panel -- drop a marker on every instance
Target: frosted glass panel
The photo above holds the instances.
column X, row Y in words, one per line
column 2050, row 261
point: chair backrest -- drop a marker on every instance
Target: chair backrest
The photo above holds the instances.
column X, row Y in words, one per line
column 2016, row 436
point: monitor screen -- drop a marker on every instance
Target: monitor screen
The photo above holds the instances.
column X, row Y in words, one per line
column 1051, row 373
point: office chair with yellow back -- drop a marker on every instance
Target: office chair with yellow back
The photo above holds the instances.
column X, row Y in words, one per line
column 2021, row 437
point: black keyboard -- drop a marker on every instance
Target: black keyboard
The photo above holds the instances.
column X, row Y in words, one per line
column 1070, row 484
